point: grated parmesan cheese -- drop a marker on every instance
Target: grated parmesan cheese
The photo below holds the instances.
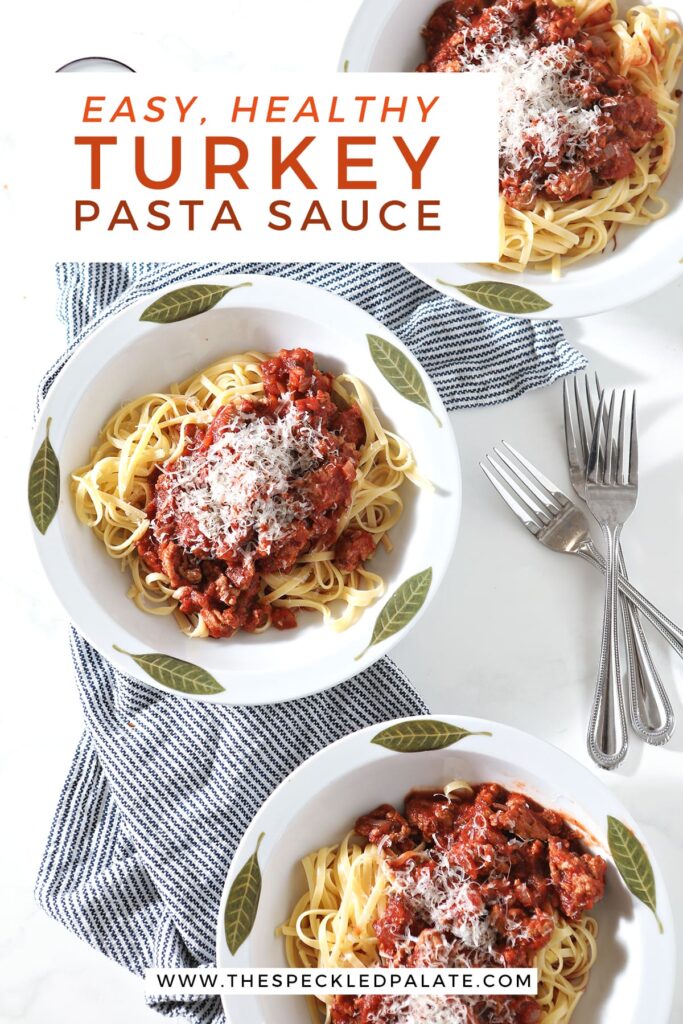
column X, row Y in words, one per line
column 451, row 905
column 239, row 490
column 449, row 902
column 429, row 1009
column 406, row 1009
column 539, row 101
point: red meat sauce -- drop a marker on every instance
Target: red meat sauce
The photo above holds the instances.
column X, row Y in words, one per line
column 627, row 120
column 225, row 587
column 519, row 862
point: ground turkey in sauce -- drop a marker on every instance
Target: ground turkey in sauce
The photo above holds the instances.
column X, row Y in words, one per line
column 513, row 862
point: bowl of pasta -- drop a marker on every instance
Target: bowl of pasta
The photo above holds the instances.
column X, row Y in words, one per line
column 591, row 177
column 244, row 489
column 449, row 842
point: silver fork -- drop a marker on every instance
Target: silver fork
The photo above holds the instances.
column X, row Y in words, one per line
column 651, row 713
column 560, row 525
column 611, row 495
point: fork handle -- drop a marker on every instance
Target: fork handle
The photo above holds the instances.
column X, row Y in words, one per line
column 652, row 715
column 672, row 633
column 607, row 736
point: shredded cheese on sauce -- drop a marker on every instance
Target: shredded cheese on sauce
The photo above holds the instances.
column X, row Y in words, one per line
column 406, row 1009
column 239, row 489
column 429, row 1009
column 450, row 903
column 537, row 101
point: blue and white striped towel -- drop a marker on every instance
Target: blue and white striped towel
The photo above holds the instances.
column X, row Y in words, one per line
column 161, row 789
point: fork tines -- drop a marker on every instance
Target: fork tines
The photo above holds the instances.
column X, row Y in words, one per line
column 533, row 498
column 578, row 427
column 610, row 462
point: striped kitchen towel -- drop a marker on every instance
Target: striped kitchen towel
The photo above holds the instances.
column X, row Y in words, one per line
column 161, row 789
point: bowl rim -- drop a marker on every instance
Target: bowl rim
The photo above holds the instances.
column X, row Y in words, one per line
column 481, row 732
column 280, row 291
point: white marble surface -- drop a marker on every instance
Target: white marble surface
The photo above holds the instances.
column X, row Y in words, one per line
column 515, row 633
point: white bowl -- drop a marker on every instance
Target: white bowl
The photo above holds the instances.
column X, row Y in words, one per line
column 633, row 978
column 385, row 36
column 126, row 358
